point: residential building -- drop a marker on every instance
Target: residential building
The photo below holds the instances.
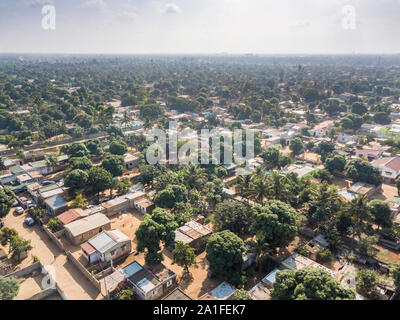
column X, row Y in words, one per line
column 389, row 167
column 106, row 246
column 84, row 229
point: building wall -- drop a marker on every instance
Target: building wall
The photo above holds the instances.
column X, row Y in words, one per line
column 87, row 235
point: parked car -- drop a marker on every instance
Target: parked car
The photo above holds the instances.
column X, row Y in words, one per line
column 31, row 205
column 19, row 210
column 48, row 182
column 29, row 222
column 15, row 204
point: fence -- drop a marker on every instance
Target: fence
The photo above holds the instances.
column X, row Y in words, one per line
column 21, row 273
column 53, row 237
column 85, row 272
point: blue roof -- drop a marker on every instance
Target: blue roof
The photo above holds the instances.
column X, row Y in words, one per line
column 56, row 202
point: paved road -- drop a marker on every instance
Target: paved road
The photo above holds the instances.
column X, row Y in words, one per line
column 70, row 280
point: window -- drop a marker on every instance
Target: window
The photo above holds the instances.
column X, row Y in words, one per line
column 169, row 283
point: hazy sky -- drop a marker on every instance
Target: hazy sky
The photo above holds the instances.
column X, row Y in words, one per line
column 201, row 26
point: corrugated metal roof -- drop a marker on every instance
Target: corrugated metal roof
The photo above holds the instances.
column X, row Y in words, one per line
column 86, row 224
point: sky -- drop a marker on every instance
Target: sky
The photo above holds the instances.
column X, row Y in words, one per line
column 201, row 26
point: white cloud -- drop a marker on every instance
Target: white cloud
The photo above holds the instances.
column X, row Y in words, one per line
column 98, row 5
column 38, row 3
column 172, row 8
column 169, row 8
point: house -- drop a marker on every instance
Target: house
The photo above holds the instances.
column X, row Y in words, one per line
column 223, row 292
column 117, row 205
column 71, row 215
column 259, row 292
column 297, row 262
column 389, row 167
column 270, row 278
column 130, row 161
column 83, row 229
column 193, row 233
column 106, row 246
column 144, row 205
column 47, row 192
column 369, row 154
column 346, row 138
column 300, row 170
column 321, row 129
column 177, row 294
column 363, row 188
column 56, row 205
column 7, row 178
column 152, row 284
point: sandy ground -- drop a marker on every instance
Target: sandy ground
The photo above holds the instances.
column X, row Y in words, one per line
column 29, row 287
column 195, row 284
column 69, row 278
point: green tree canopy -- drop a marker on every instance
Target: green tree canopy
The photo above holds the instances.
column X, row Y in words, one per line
column 308, row 284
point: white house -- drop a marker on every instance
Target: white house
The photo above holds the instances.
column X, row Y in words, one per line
column 345, row 138
column 389, row 167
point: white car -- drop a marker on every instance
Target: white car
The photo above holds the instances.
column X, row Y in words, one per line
column 19, row 210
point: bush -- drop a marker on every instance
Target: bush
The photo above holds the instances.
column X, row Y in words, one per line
column 325, row 256
column 55, row 224
column 302, row 250
column 268, row 264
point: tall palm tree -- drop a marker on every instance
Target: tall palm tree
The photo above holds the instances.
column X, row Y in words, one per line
column 194, row 176
column 359, row 210
column 260, row 187
column 243, row 184
column 279, row 188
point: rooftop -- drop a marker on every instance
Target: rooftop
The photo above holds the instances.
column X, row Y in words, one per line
column 83, row 225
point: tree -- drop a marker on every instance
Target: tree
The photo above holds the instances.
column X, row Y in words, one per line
column 55, row 224
column 76, row 180
column 308, row 284
column 359, row 108
column 225, row 254
column 395, row 273
column 184, row 255
column 233, row 216
column 80, row 202
column 173, row 194
column 324, row 148
column 82, row 163
column 274, row 224
column 366, row 281
column 271, row 158
column 7, row 198
column 361, row 170
column 381, row 213
column 114, row 164
column 160, row 226
column 335, row 163
column 94, row 146
column 194, row 176
column 19, row 245
column 123, row 186
column 241, row 294
column 365, row 247
column 126, row 295
column 100, row 179
column 296, row 145
column 118, row 147
column 9, row 288
column 359, row 210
